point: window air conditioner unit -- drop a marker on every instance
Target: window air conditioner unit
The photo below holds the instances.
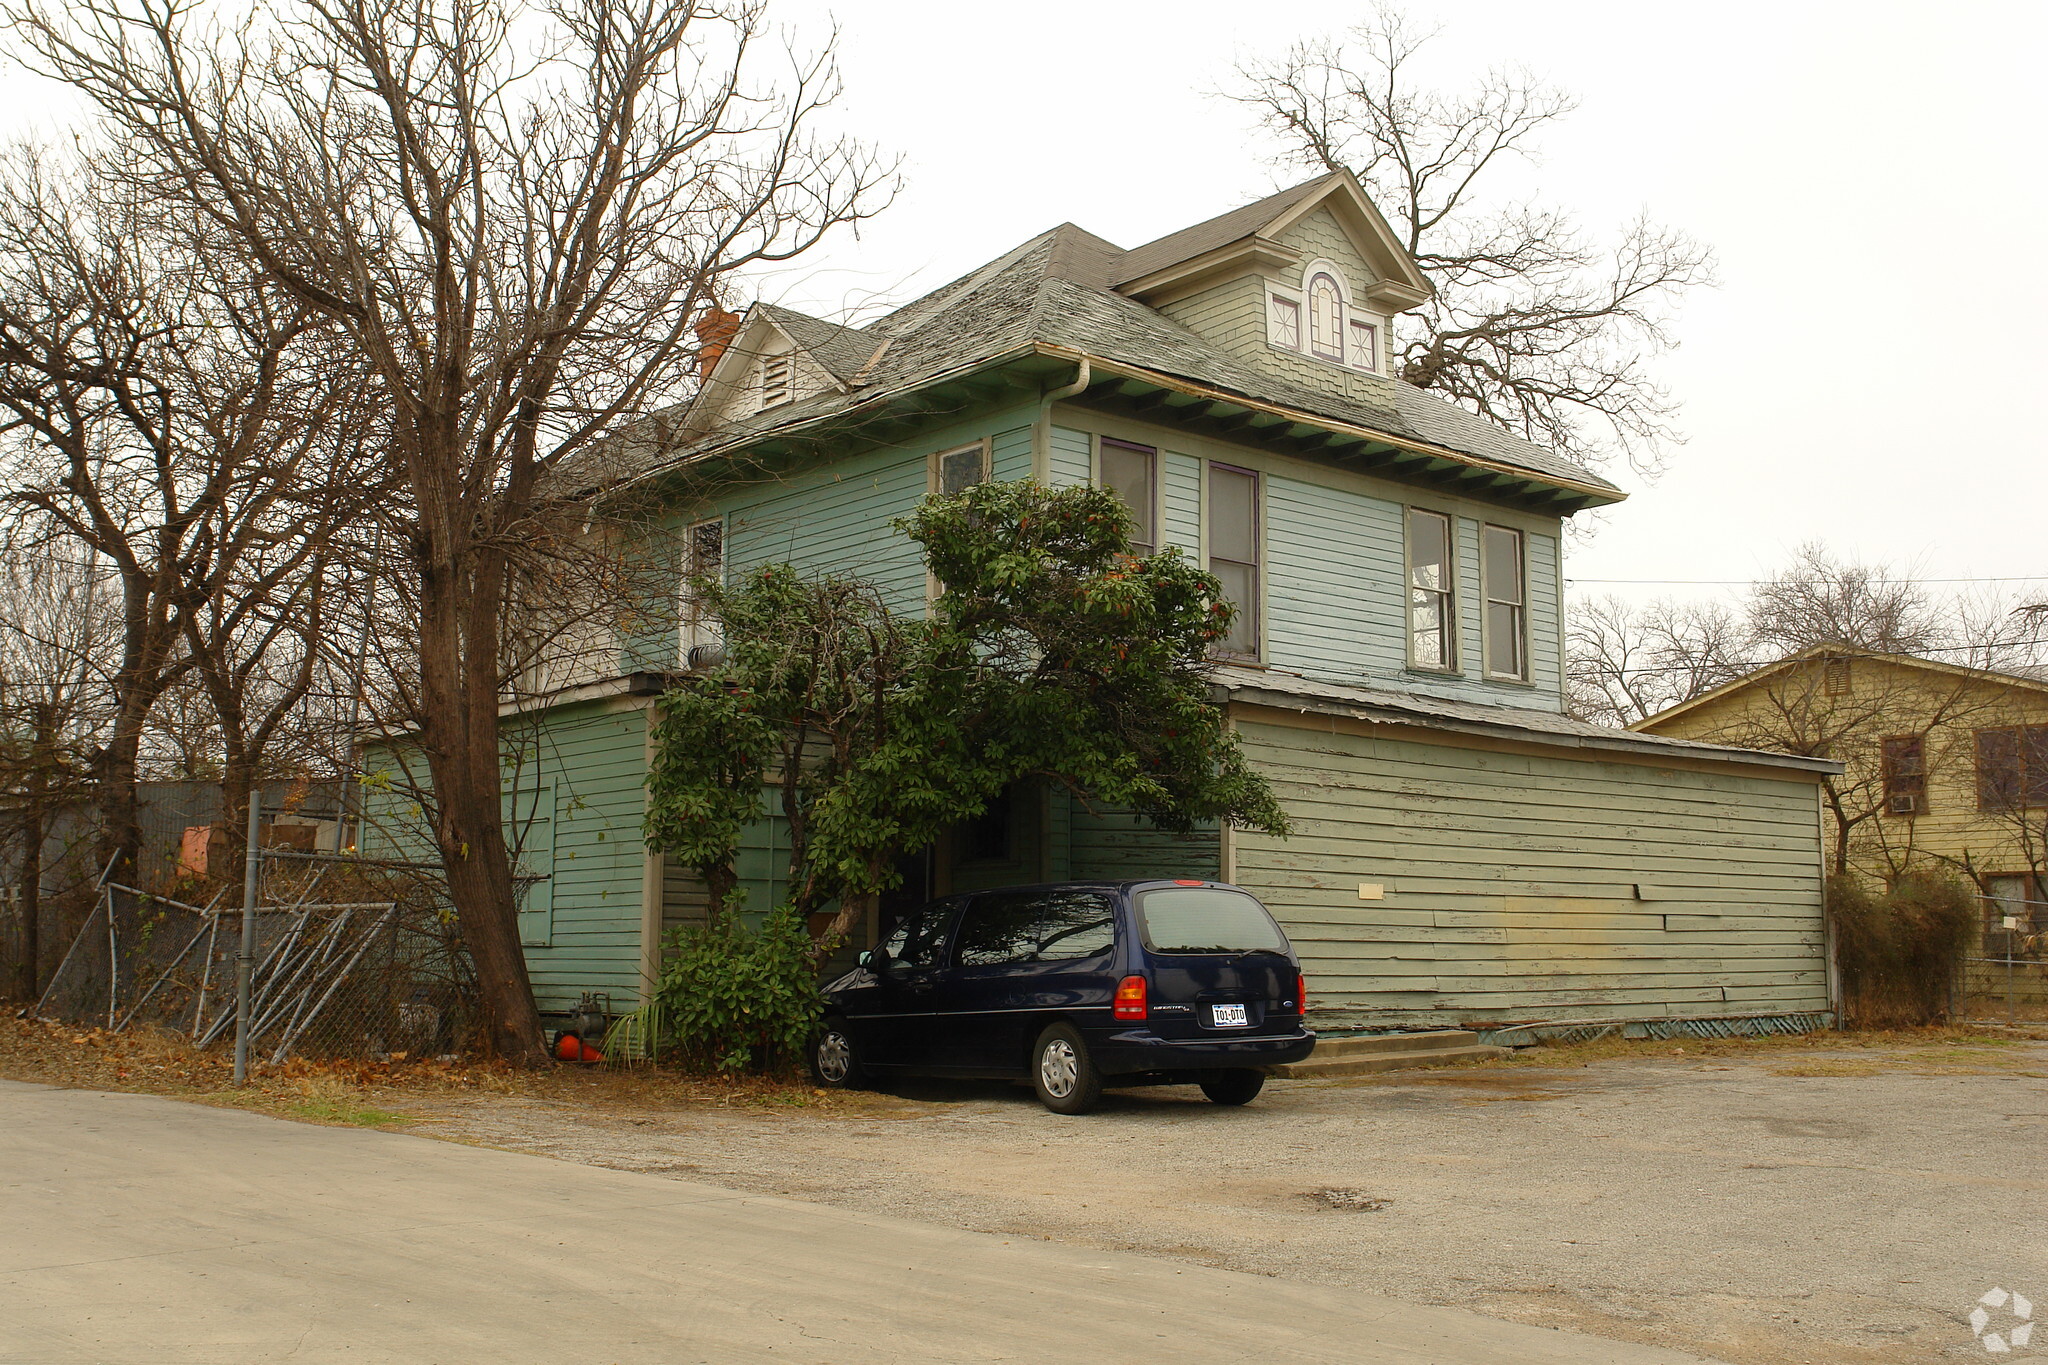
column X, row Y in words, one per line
column 1905, row 804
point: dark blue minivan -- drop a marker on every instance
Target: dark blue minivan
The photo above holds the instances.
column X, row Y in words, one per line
column 1074, row 986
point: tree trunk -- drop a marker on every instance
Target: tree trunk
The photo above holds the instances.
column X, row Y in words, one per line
column 459, row 733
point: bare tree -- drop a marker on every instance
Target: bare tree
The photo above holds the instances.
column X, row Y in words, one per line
column 160, row 411
column 1821, row 600
column 56, row 630
column 1624, row 664
column 514, row 218
column 1534, row 323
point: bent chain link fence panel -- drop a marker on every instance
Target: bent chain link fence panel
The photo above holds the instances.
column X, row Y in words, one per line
column 2008, row 968
column 348, row 964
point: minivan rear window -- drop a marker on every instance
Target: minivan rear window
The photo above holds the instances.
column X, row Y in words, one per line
column 1206, row 919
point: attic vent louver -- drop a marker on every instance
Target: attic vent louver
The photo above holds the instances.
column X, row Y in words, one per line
column 774, row 380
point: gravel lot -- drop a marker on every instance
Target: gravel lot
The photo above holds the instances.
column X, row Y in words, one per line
column 1768, row 1204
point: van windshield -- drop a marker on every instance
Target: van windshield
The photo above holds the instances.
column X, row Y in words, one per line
column 1206, row 919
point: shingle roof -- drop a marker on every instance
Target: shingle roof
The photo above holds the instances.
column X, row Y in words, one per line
column 1219, row 231
column 1057, row 289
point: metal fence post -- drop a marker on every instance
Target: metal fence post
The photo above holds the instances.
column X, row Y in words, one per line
column 245, row 960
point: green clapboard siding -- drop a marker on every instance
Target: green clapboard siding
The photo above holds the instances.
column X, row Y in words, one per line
column 1110, row 844
column 1010, row 454
column 1180, row 505
column 1524, row 887
column 1071, row 460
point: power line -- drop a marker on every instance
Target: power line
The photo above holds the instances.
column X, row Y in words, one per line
column 1752, row 582
column 1744, row 665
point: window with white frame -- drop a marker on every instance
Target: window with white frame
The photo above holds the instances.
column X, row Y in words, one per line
column 1432, row 615
column 1365, row 345
column 1507, row 607
column 1132, row 473
column 775, row 371
column 1325, row 317
column 1284, row 322
column 956, row 471
column 1234, row 552
column 703, row 568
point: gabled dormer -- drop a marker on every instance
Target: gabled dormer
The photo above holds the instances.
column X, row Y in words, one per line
column 1303, row 284
column 777, row 358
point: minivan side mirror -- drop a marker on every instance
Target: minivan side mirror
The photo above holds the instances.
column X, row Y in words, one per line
column 866, row 958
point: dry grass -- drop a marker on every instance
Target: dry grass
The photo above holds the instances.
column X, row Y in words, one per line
column 370, row 1094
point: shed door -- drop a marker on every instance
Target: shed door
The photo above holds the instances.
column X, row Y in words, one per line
column 530, row 830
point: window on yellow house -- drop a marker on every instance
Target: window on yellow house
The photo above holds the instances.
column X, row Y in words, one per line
column 1904, row 769
column 2012, row 767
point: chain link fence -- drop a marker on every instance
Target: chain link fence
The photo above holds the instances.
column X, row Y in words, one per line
column 2009, row 969
column 351, row 960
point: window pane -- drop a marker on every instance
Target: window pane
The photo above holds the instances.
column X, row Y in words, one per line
column 920, row 938
column 1128, row 471
column 1365, row 345
column 1998, row 768
column 1204, row 919
column 1286, row 323
column 1503, row 565
column 1233, row 515
column 1429, row 551
column 960, row 470
column 1000, row 927
column 1430, row 618
column 2034, row 758
column 1241, row 586
column 1504, row 638
column 1076, row 924
column 1325, row 318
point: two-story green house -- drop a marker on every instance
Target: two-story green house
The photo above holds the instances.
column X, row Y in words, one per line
column 1465, row 852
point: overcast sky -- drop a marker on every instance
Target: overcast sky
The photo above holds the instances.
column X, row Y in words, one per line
column 1870, row 174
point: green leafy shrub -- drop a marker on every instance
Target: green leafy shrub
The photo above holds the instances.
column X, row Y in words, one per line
column 734, row 998
column 1900, row 951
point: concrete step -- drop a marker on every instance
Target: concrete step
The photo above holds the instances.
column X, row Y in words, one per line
column 1373, row 1044
column 1364, row 1055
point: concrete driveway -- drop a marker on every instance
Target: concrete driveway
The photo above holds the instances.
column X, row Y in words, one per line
column 140, row 1229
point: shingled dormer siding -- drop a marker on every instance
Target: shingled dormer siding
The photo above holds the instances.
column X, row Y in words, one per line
column 1232, row 315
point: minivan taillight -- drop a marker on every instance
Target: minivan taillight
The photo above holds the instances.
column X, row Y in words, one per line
column 1301, row 992
column 1130, row 999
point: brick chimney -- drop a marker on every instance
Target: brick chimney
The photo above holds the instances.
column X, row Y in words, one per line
column 715, row 329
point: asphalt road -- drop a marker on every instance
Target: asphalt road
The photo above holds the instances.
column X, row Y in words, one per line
column 138, row 1229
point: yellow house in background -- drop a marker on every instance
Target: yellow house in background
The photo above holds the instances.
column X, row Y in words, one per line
column 1945, row 766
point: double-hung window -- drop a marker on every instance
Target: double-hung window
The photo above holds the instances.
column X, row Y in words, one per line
column 703, row 568
column 1132, row 473
column 1902, row 764
column 1432, row 616
column 1507, row 605
column 1234, row 552
column 2012, row 767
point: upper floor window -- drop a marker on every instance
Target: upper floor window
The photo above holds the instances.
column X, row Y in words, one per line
column 1431, row 580
column 1365, row 345
column 1903, row 767
column 1285, row 315
column 1234, row 552
column 1132, row 473
column 703, row 565
column 1325, row 318
column 1507, row 608
column 956, row 471
column 774, row 380
column 2012, row 767
column 1317, row 317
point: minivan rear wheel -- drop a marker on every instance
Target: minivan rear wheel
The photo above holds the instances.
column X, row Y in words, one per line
column 1236, row 1086
column 1062, row 1072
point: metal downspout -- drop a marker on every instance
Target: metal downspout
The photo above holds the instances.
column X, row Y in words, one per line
column 1041, row 430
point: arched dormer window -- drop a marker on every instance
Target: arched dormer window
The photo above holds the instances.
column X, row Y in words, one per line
column 1325, row 317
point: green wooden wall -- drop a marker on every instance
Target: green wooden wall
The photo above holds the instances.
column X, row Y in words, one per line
column 1520, row 887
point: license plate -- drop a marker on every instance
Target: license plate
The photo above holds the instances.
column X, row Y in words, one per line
column 1227, row 1016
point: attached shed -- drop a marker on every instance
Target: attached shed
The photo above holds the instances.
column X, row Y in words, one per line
column 1484, row 866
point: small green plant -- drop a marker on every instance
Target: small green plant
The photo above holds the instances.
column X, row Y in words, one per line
column 1900, row 950
column 731, row 998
